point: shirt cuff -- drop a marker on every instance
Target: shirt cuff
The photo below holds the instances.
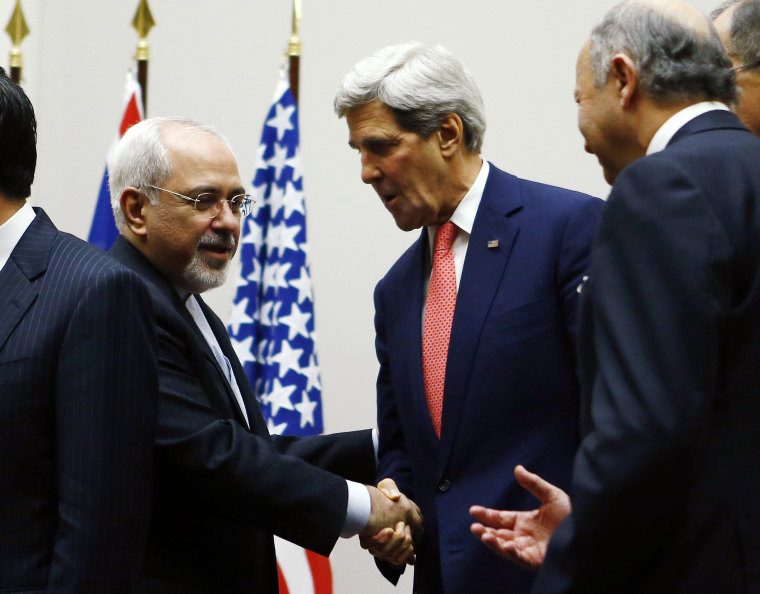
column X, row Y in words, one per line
column 358, row 509
column 376, row 445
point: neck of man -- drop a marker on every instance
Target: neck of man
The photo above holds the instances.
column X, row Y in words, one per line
column 653, row 114
column 9, row 207
column 463, row 172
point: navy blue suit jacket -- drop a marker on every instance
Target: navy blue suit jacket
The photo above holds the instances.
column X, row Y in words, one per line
column 222, row 490
column 666, row 481
column 77, row 416
column 511, row 392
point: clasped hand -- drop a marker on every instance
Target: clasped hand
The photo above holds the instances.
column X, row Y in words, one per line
column 394, row 527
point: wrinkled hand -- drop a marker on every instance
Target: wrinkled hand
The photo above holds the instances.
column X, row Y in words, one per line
column 522, row 536
column 394, row 526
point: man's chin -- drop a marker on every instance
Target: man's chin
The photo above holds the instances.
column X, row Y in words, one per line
column 199, row 277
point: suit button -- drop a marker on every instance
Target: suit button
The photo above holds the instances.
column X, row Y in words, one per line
column 444, row 485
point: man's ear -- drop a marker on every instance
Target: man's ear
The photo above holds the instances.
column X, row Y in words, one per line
column 133, row 203
column 626, row 79
column 451, row 134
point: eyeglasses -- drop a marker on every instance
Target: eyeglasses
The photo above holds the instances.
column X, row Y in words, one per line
column 209, row 204
column 746, row 66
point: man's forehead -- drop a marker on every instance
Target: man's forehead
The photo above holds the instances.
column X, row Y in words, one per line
column 371, row 121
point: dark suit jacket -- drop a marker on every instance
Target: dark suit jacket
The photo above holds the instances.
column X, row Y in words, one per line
column 666, row 482
column 223, row 490
column 511, row 393
column 77, row 416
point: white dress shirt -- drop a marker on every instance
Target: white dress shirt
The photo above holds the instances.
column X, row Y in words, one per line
column 12, row 230
column 678, row 120
column 464, row 219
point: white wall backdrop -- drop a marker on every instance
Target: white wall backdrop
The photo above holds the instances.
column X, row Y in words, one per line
column 218, row 62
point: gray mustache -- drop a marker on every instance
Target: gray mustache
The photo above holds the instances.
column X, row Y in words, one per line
column 217, row 239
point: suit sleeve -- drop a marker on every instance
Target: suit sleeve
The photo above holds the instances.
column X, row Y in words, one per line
column 233, row 470
column 350, row 455
column 659, row 287
column 106, row 391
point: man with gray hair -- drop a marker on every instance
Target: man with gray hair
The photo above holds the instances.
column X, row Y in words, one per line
column 223, row 485
column 475, row 322
column 738, row 24
column 665, row 482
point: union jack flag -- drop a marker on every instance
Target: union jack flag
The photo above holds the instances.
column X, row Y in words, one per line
column 272, row 321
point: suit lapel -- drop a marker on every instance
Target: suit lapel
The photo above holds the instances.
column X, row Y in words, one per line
column 28, row 260
column 255, row 418
column 481, row 277
column 18, row 294
column 408, row 289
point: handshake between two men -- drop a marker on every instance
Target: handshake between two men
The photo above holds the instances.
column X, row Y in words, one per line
column 394, row 527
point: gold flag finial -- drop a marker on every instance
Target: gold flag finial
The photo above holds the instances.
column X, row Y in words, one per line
column 17, row 29
column 143, row 23
column 294, row 45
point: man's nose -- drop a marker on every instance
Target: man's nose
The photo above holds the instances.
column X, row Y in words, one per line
column 370, row 170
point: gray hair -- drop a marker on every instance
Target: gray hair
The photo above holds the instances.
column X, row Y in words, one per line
column 744, row 36
column 674, row 61
column 141, row 159
column 420, row 84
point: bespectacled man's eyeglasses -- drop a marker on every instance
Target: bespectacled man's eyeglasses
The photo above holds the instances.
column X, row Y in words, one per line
column 210, row 204
column 746, row 66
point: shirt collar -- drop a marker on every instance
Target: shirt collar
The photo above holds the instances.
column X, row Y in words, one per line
column 464, row 215
column 678, row 120
column 13, row 229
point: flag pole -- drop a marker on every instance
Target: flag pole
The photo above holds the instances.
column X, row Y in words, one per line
column 143, row 22
column 294, row 50
column 17, row 29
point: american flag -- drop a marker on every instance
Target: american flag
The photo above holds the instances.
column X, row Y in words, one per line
column 103, row 229
column 272, row 321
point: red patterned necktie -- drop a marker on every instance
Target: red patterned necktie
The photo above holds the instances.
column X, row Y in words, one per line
column 439, row 313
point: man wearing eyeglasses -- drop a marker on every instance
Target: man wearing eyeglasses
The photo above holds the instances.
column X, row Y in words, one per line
column 223, row 486
column 738, row 24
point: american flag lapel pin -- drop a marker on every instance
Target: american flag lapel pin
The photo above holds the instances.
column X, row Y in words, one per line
column 493, row 243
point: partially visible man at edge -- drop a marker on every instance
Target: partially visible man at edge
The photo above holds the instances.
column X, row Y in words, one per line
column 223, row 485
column 77, row 392
column 738, row 24
column 475, row 322
column 665, row 483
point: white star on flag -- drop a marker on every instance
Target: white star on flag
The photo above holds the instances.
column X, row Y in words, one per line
column 292, row 201
column 312, row 374
column 238, row 315
column 287, row 359
column 288, row 238
column 279, row 397
column 278, row 160
column 275, row 429
column 296, row 322
column 281, row 121
column 303, row 284
column 306, row 408
column 295, row 163
column 243, row 350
